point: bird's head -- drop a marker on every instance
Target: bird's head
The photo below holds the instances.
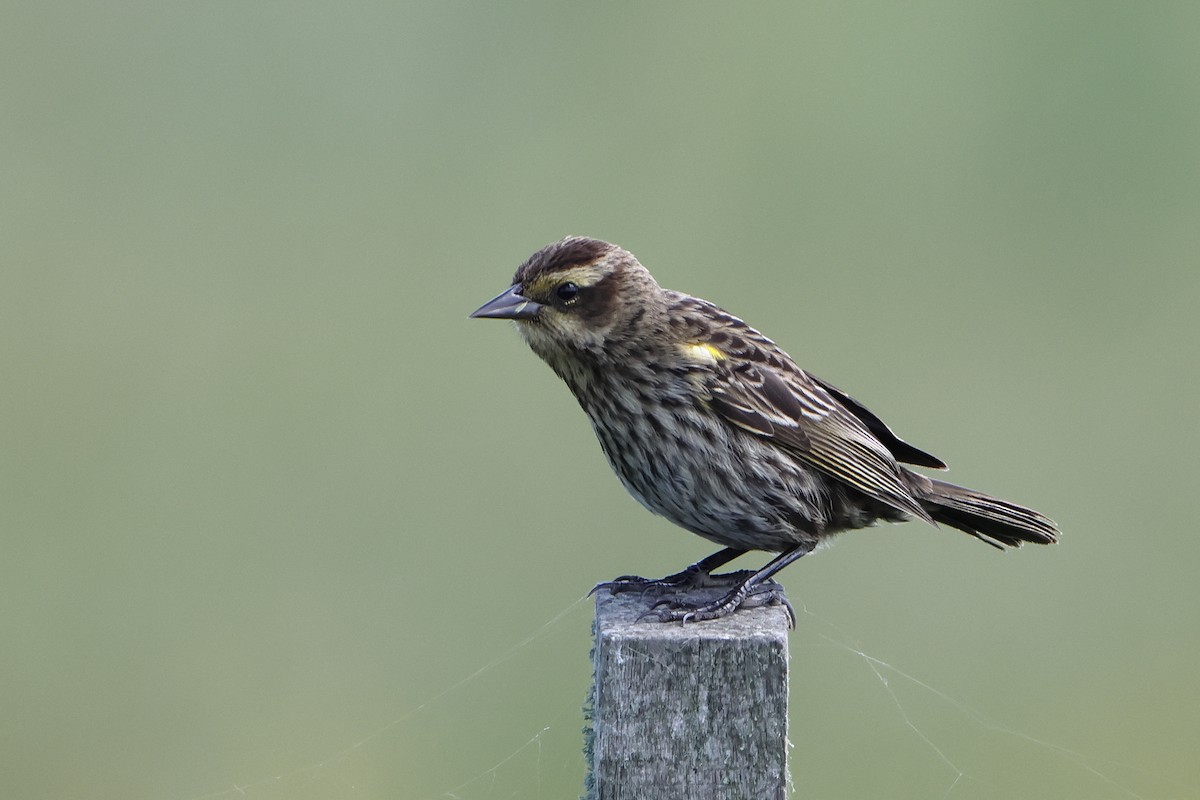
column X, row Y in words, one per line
column 575, row 295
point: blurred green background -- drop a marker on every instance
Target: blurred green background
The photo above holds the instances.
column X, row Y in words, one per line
column 280, row 522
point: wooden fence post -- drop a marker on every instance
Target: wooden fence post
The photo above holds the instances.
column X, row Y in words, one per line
column 695, row 711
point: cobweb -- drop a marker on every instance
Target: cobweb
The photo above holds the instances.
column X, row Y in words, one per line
column 937, row 745
column 972, row 755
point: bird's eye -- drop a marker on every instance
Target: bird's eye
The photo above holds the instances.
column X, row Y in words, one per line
column 567, row 292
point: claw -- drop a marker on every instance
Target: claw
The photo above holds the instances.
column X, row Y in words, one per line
column 749, row 588
column 771, row 594
column 684, row 581
column 633, row 583
column 626, row 583
column 765, row 594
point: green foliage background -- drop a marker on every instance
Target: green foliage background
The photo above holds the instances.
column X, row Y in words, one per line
column 278, row 519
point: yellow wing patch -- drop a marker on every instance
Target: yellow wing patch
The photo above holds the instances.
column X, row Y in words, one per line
column 702, row 352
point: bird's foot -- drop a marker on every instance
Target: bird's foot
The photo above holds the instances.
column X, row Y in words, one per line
column 768, row 593
column 685, row 581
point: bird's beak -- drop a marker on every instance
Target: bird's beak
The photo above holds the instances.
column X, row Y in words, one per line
column 509, row 304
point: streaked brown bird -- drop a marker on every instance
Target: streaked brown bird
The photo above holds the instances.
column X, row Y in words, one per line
column 709, row 424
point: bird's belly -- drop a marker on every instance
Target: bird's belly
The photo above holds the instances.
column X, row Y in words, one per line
column 717, row 482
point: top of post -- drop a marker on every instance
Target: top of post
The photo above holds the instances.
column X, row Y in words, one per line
column 617, row 615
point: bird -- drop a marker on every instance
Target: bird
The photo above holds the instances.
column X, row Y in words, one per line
column 710, row 424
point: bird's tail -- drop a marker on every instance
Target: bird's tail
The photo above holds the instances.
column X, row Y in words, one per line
column 989, row 519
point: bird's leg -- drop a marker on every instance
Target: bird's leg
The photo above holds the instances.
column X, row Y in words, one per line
column 756, row 590
column 698, row 575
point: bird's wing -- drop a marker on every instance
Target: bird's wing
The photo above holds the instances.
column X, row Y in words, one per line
column 902, row 450
column 763, row 392
column 803, row 418
column 757, row 387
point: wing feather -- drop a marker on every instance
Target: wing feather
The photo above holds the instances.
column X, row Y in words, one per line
column 902, row 450
column 800, row 416
column 757, row 387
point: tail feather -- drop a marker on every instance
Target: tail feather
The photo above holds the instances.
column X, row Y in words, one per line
column 989, row 519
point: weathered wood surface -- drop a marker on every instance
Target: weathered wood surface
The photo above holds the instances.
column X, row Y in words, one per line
column 696, row 711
